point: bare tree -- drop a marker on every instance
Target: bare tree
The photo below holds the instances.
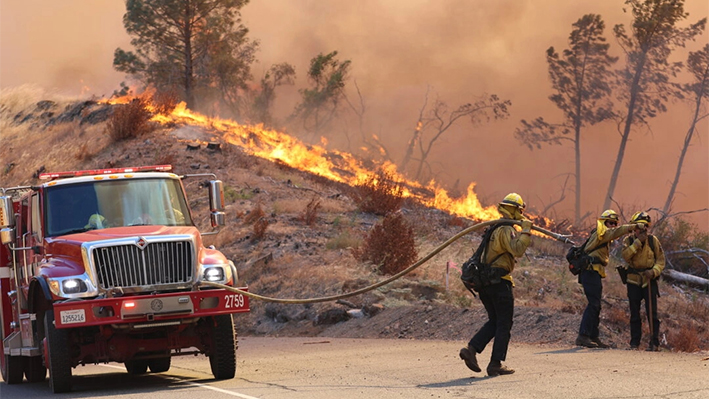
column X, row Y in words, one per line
column 698, row 65
column 439, row 120
column 645, row 81
column 581, row 91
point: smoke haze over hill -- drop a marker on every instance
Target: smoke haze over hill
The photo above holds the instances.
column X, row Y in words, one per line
column 459, row 48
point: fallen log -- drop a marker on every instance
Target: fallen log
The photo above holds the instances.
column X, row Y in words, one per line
column 684, row 278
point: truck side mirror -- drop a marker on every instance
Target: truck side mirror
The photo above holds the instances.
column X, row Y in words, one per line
column 216, row 196
column 7, row 214
column 216, row 203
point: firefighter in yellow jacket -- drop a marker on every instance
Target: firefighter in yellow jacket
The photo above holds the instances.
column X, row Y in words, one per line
column 505, row 245
column 646, row 260
column 598, row 248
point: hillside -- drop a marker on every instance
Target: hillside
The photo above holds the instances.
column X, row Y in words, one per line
column 294, row 259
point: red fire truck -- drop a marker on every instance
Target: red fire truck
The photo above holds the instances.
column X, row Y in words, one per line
column 106, row 265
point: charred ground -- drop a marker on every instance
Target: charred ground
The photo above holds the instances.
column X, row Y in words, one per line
column 295, row 255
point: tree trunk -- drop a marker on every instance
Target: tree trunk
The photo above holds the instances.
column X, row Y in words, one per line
column 577, row 150
column 687, row 141
column 634, row 90
column 684, row 278
column 410, row 146
column 189, row 67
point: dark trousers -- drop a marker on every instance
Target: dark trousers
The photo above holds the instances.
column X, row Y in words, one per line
column 499, row 303
column 593, row 288
column 636, row 294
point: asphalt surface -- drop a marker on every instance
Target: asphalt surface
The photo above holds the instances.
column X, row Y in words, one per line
column 319, row 368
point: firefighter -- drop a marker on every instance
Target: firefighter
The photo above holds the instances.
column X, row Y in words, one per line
column 96, row 221
column 598, row 245
column 646, row 260
column 498, row 298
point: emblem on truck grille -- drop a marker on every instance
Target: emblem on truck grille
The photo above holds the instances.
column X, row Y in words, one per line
column 156, row 305
column 141, row 243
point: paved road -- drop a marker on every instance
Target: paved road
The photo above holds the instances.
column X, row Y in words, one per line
column 321, row 368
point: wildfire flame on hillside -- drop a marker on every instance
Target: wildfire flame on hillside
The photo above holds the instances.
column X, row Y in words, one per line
column 335, row 165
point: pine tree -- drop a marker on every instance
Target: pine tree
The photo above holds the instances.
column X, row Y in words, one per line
column 187, row 46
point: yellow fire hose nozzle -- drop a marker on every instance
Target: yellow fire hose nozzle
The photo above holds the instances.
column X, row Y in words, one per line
column 560, row 237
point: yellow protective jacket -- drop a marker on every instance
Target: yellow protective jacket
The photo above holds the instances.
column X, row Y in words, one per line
column 602, row 254
column 507, row 241
column 640, row 256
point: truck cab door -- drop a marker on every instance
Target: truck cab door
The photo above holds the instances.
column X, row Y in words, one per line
column 35, row 238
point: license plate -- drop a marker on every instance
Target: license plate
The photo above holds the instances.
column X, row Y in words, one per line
column 73, row 316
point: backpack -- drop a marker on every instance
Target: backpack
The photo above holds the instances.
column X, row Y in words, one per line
column 580, row 260
column 477, row 274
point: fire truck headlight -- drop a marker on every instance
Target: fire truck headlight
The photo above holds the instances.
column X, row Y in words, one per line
column 214, row 274
column 74, row 286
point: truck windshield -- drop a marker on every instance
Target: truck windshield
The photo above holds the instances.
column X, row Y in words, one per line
column 75, row 208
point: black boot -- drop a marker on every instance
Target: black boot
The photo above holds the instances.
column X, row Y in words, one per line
column 468, row 355
column 584, row 340
column 496, row 368
column 600, row 343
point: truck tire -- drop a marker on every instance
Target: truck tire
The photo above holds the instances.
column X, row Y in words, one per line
column 160, row 365
column 11, row 369
column 35, row 370
column 58, row 353
column 137, row 367
column 222, row 358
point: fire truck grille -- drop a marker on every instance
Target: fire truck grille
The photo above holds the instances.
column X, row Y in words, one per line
column 159, row 263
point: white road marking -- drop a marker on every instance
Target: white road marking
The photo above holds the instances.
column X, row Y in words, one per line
column 238, row 395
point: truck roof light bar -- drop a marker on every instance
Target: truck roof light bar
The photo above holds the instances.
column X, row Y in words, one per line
column 89, row 172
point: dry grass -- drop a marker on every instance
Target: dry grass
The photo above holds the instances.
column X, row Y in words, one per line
column 345, row 239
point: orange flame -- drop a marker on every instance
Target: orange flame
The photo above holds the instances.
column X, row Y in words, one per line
column 335, row 165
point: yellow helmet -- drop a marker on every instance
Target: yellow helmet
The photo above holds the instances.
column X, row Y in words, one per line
column 609, row 214
column 641, row 217
column 513, row 199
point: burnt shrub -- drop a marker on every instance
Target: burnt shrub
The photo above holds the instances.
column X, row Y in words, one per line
column 310, row 214
column 165, row 101
column 685, row 245
column 379, row 194
column 260, row 227
column 389, row 245
column 130, row 120
column 256, row 214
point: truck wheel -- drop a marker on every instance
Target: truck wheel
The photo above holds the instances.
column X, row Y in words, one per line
column 57, row 351
column 35, row 370
column 137, row 367
column 160, row 365
column 11, row 369
column 222, row 358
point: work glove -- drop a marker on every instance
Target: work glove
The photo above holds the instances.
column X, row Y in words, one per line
column 641, row 235
column 526, row 226
column 649, row 274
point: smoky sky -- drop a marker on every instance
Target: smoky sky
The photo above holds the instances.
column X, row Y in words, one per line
column 456, row 50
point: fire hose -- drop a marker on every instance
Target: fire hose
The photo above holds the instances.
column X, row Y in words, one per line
column 559, row 237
